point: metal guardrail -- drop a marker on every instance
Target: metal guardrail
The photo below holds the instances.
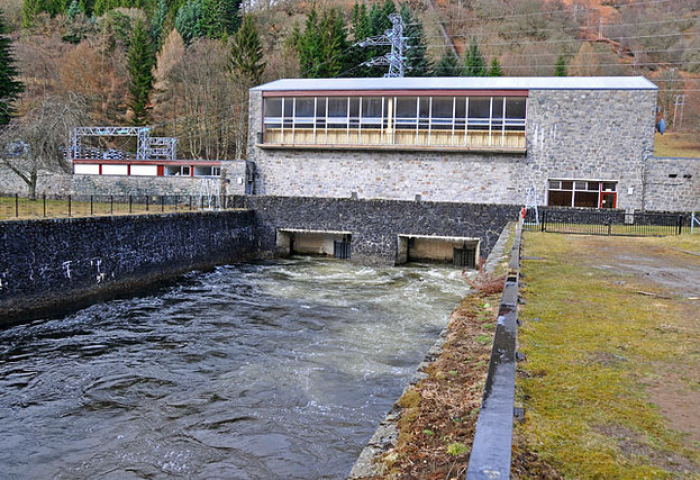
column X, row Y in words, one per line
column 493, row 440
column 609, row 222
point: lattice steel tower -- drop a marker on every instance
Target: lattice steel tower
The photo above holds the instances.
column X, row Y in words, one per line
column 395, row 59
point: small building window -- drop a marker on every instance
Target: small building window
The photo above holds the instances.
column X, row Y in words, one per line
column 582, row 193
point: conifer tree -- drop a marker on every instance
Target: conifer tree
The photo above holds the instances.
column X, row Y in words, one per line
column 323, row 47
column 10, row 87
column 140, row 61
column 416, row 63
column 474, row 64
column 309, row 45
column 361, row 29
column 247, row 53
column 448, row 66
column 211, row 21
column 229, row 12
column 495, row 70
column 157, row 24
column 560, row 67
column 188, row 20
column 379, row 17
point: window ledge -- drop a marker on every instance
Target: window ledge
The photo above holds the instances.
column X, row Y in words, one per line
column 395, row 148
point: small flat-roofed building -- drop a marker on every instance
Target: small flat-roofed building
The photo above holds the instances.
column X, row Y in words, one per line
column 580, row 142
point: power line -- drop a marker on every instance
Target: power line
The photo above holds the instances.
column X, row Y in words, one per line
column 563, row 10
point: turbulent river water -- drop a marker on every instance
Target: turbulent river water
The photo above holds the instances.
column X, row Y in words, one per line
column 251, row 371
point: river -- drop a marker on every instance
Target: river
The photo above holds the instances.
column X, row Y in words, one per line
column 250, row 371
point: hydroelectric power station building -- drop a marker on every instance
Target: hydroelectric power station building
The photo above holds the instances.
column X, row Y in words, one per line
column 580, row 142
column 583, row 142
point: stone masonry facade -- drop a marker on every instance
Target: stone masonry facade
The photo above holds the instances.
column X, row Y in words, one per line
column 601, row 135
column 673, row 181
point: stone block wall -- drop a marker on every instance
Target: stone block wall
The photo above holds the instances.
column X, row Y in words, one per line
column 591, row 135
column 49, row 265
column 376, row 224
column 673, row 184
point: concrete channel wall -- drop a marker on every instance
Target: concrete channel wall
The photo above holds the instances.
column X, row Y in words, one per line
column 55, row 265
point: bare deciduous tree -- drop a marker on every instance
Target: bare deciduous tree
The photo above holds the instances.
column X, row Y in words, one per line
column 201, row 81
column 166, row 103
column 38, row 140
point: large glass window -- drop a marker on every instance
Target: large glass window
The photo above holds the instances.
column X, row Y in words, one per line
column 479, row 122
column 582, row 193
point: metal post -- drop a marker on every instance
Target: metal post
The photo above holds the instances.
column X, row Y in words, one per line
column 544, row 220
column 91, row 205
column 44, row 205
column 190, row 202
column 111, row 205
column 680, row 224
column 201, row 203
column 147, row 197
column 162, row 203
column 69, row 205
column 130, row 203
column 16, row 205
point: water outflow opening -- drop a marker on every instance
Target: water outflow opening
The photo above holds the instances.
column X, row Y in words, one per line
column 460, row 252
column 335, row 244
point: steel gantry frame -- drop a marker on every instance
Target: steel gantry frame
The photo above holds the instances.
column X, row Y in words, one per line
column 147, row 147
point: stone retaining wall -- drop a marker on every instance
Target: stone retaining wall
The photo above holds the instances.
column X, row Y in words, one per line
column 376, row 224
column 61, row 264
column 63, row 184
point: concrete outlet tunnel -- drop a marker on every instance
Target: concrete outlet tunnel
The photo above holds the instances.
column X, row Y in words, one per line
column 313, row 242
column 461, row 252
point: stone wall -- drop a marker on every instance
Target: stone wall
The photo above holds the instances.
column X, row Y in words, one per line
column 571, row 134
column 673, row 184
column 591, row 135
column 64, row 184
column 51, row 265
column 376, row 224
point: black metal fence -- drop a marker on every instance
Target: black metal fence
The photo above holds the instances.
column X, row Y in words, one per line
column 15, row 206
column 606, row 222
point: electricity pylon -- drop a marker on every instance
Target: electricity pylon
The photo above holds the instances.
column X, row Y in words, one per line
column 395, row 59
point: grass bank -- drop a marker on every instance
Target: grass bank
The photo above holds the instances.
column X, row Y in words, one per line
column 611, row 332
column 677, row 145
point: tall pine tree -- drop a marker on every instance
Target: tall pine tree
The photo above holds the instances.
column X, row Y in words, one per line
column 323, row 47
column 474, row 64
column 417, row 65
column 247, row 53
column 188, row 20
column 448, row 66
column 495, row 70
column 140, row 60
column 560, row 67
column 10, row 87
column 157, row 24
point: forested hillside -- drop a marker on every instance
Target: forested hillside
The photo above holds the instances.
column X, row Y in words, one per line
column 185, row 66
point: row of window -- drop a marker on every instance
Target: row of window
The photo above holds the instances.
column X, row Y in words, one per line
column 455, row 115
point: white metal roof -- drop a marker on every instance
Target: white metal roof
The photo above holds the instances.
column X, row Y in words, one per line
column 461, row 83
